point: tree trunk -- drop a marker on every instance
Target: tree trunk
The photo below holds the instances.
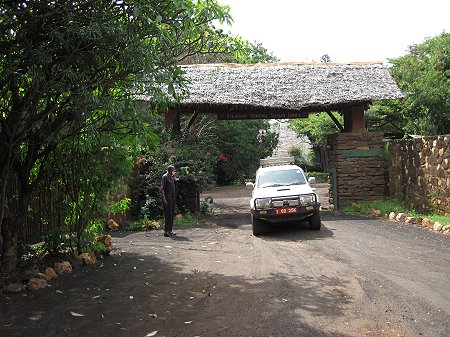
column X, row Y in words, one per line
column 10, row 244
column 322, row 158
column 10, row 230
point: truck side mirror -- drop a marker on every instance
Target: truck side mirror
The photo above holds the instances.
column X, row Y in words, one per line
column 249, row 186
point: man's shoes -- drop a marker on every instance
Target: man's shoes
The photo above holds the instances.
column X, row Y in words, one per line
column 166, row 234
column 172, row 234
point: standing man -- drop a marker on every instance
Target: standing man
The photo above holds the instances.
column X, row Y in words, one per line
column 168, row 197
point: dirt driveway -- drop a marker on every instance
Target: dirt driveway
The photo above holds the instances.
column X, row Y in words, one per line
column 354, row 277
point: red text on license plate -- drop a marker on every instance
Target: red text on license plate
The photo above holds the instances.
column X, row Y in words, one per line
column 286, row 210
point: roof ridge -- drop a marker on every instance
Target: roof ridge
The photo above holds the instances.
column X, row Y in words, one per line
column 275, row 64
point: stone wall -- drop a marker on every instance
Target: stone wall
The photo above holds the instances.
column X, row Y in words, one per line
column 359, row 163
column 420, row 169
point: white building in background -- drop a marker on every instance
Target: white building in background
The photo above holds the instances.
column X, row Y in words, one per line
column 287, row 138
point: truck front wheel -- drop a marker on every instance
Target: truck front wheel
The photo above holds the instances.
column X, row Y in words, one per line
column 314, row 221
column 258, row 226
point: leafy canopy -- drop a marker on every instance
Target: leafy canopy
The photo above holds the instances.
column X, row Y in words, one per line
column 316, row 127
column 242, row 144
column 423, row 75
column 76, row 66
column 71, row 68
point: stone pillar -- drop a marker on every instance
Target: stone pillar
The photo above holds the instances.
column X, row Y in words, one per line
column 358, row 160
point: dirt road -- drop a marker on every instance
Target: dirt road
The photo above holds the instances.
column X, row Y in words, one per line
column 355, row 277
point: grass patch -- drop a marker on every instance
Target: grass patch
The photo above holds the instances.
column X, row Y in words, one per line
column 186, row 219
column 388, row 205
column 321, row 177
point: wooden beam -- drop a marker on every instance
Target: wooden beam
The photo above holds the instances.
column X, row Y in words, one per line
column 340, row 127
column 261, row 114
column 192, row 119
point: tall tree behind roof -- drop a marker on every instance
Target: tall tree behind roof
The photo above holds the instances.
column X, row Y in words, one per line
column 423, row 74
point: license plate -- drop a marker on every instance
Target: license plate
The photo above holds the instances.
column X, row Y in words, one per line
column 289, row 210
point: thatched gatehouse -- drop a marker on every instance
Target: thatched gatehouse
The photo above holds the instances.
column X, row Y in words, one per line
column 284, row 90
column 293, row 90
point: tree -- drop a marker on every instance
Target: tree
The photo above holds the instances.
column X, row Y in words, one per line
column 70, row 67
column 242, row 144
column 325, row 58
column 226, row 48
column 243, row 51
column 423, row 75
column 317, row 127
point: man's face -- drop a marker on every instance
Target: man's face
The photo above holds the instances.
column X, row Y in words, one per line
column 172, row 173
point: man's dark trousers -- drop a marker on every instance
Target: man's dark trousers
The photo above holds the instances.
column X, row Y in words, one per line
column 169, row 213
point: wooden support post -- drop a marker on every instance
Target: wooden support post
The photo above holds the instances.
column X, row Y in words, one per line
column 354, row 119
column 169, row 118
column 340, row 127
column 172, row 120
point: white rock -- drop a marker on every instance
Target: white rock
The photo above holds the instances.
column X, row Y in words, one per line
column 437, row 226
column 400, row 217
column 392, row 216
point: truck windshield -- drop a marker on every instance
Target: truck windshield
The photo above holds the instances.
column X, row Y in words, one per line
column 281, row 178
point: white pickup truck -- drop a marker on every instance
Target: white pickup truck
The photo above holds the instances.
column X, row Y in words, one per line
column 280, row 194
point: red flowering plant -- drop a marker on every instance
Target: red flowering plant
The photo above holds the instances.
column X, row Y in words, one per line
column 223, row 157
column 194, row 161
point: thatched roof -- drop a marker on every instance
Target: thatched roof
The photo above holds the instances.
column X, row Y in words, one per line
column 286, row 86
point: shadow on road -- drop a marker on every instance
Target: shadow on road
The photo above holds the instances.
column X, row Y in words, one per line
column 134, row 294
column 289, row 231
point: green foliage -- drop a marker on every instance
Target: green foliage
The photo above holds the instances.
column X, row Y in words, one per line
column 57, row 241
column 70, row 72
column 388, row 205
column 135, row 226
column 423, row 75
column 232, row 49
column 194, row 158
column 91, row 232
column 186, row 219
column 317, row 127
column 86, row 174
column 143, row 224
column 385, row 206
column 321, row 177
column 98, row 248
column 304, row 158
column 121, row 206
column 206, row 206
column 242, row 144
column 250, row 53
column 62, row 240
column 138, row 195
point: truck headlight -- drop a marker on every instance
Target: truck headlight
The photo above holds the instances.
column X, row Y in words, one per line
column 306, row 200
column 262, row 203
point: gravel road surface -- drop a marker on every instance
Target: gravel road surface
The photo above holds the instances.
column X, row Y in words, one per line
column 355, row 277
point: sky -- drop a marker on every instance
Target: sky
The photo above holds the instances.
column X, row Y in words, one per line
column 346, row 30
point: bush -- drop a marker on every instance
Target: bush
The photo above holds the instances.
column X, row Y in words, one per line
column 62, row 240
column 120, row 207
